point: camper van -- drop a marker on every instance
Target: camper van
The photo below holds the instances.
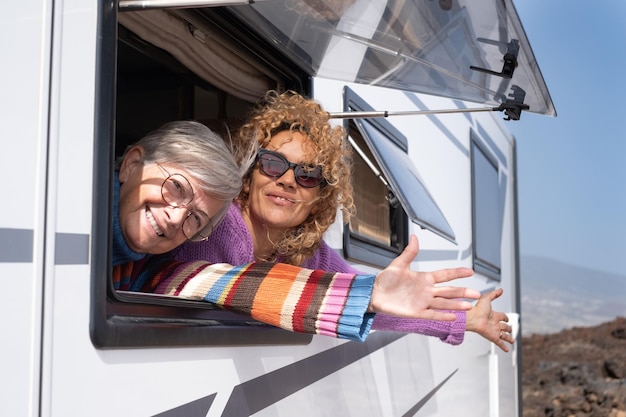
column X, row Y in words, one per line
column 425, row 90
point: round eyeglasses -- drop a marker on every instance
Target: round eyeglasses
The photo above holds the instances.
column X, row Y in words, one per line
column 275, row 165
column 177, row 192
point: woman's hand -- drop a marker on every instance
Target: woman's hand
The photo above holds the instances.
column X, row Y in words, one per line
column 400, row 292
column 490, row 324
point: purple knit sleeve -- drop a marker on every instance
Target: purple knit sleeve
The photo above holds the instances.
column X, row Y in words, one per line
column 452, row 332
column 230, row 242
column 326, row 259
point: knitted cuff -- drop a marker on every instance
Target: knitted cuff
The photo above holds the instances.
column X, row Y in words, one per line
column 355, row 323
column 451, row 332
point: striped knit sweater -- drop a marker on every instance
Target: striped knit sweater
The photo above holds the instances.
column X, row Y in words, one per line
column 286, row 296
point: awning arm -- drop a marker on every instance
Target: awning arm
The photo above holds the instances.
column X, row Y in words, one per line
column 512, row 109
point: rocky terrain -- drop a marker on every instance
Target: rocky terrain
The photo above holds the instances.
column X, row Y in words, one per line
column 576, row 372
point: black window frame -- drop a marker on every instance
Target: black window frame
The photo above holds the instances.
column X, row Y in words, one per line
column 487, row 226
column 122, row 319
column 390, row 150
column 357, row 247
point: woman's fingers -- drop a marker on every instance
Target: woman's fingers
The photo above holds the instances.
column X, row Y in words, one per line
column 401, row 292
column 439, row 303
column 450, row 274
column 456, row 292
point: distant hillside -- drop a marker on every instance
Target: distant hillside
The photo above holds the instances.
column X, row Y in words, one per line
column 557, row 296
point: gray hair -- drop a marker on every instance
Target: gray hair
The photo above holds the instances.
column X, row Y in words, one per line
column 199, row 151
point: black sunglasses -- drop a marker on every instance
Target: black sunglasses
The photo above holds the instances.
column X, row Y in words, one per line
column 275, row 165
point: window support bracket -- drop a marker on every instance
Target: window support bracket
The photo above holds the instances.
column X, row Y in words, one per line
column 512, row 108
column 510, row 59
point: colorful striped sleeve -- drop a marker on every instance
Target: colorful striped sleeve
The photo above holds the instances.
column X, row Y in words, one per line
column 286, row 296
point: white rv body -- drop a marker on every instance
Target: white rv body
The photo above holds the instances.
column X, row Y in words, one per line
column 52, row 268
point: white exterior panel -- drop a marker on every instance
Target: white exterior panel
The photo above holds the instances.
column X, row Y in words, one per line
column 25, row 40
column 52, row 368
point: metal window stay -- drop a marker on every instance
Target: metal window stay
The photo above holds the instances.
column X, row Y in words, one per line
column 130, row 5
column 391, row 197
column 512, row 109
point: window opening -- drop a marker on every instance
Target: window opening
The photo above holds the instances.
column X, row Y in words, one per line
column 141, row 86
column 379, row 230
column 373, row 219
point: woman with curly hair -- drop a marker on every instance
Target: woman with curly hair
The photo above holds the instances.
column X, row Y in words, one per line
column 300, row 179
column 288, row 211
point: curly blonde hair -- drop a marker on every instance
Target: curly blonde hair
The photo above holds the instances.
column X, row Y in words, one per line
column 291, row 111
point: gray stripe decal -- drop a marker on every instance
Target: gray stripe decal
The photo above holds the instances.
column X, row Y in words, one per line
column 437, row 255
column 428, row 396
column 16, row 245
column 71, row 249
column 197, row 408
column 259, row 393
column 466, row 253
column 252, row 396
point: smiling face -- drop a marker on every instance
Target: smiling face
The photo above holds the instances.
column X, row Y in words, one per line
column 277, row 204
column 148, row 223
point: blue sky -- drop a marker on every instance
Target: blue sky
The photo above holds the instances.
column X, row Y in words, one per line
column 572, row 175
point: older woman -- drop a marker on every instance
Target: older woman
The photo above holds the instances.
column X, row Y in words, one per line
column 292, row 195
column 176, row 184
column 171, row 186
